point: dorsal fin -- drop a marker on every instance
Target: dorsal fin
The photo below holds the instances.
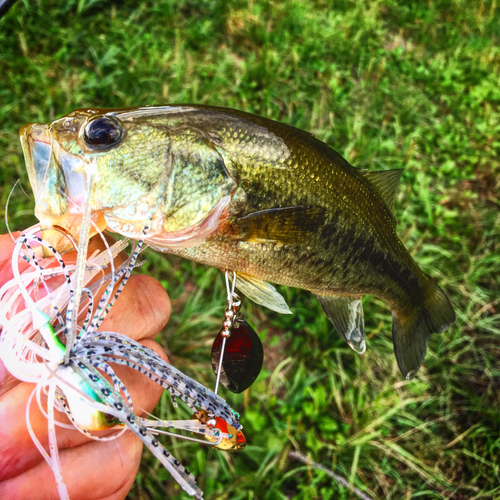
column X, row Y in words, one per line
column 386, row 183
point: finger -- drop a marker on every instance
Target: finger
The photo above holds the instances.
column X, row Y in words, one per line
column 141, row 311
column 7, row 381
column 92, row 471
column 6, row 248
column 17, row 450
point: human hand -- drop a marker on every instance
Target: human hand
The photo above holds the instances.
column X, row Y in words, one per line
column 92, row 470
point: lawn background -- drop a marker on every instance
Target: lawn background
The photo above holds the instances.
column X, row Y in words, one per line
column 388, row 84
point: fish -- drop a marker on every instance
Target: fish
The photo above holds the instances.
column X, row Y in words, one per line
column 244, row 193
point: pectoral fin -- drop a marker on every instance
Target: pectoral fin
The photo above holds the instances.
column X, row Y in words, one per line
column 285, row 225
column 346, row 314
column 261, row 293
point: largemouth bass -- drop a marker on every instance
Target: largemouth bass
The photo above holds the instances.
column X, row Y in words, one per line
column 236, row 191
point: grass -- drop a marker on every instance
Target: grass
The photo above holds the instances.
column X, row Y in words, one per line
column 388, row 84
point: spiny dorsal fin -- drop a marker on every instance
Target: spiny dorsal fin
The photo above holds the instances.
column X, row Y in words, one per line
column 386, row 183
column 346, row 314
column 261, row 293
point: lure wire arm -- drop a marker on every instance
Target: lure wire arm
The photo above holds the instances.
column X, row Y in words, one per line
column 231, row 316
column 188, row 438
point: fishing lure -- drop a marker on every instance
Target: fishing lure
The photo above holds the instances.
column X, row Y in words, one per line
column 37, row 313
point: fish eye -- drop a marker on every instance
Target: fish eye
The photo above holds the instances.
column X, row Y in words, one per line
column 103, row 132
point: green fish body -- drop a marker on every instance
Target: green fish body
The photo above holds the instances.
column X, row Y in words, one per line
column 236, row 191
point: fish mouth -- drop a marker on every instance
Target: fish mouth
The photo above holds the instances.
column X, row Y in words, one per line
column 57, row 177
column 58, row 180
column 37, row 148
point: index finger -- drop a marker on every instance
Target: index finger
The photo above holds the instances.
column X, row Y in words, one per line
column 141, row 311
column 6, row 248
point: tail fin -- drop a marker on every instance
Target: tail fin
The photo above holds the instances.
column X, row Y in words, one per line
column 411, row 332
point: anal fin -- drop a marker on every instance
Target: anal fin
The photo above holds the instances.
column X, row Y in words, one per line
column 261, row 292
column 346, row 314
